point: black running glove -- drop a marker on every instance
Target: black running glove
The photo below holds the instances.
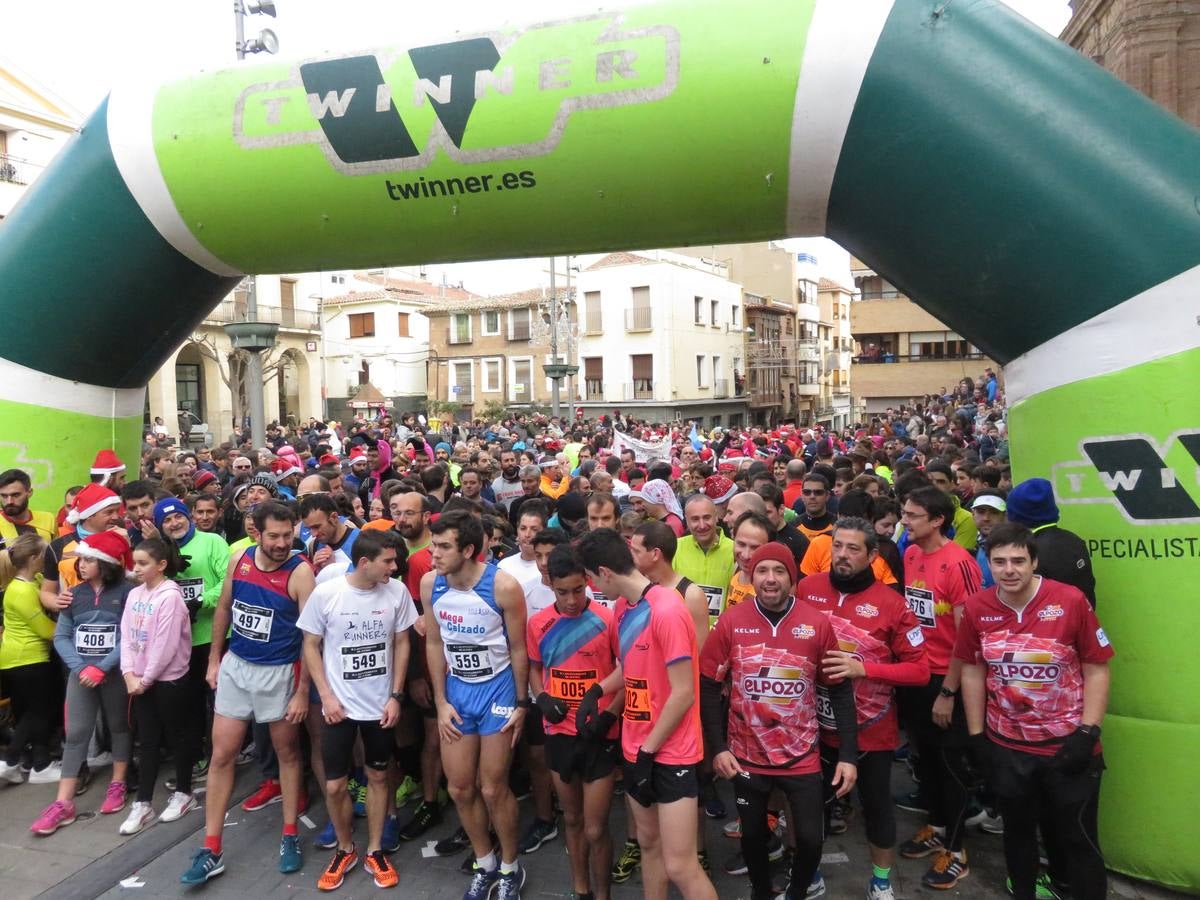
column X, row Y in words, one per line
column 553, row 709
column 1077, row 750
column 600, row 726
column 640, row 783
column 589, row 708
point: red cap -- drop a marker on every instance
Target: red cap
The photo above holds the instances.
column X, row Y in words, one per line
column 202, row 478
column 775, row 552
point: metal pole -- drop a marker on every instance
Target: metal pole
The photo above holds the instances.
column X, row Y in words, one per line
column 239, row 15
column 570, row 378
column 254, row 375
column 555, row 383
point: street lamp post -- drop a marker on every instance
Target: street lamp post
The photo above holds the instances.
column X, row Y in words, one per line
column 251, row 335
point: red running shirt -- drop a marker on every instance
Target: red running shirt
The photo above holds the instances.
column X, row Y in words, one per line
column 773, row 671
column 1034, row 662
column 935, row 583
column 883, row 633
column 647, row 636
column 574, row 652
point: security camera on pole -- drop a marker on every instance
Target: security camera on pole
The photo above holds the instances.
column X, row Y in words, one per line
column 252, row 335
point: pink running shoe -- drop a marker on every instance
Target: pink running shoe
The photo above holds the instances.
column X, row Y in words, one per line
column 53, row 817
column 114, row 798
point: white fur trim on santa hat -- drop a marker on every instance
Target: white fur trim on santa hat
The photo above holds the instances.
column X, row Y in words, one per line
column 78, row 515
column 88, row 552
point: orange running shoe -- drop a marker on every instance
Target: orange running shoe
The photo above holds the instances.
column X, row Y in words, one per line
column 343, row 862
column 384, row 874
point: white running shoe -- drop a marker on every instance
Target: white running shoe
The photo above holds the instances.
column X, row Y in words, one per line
column 11, row 773
column 140, row 816
column 880, row 890
column 177, row 806
column 51, row 774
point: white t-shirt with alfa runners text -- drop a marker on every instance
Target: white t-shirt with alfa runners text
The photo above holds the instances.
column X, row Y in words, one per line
column 358, row 629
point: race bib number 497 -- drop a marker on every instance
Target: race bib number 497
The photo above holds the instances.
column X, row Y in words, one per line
column 252, row 622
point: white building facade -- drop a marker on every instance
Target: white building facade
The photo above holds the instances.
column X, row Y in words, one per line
column 35, row 125
column 661, row 338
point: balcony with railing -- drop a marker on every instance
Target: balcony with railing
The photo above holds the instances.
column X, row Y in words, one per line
column 721, row 389
column 593, row 389
column 518, row 331
column 462, row 393
column 640, row 318
column 237, row 310
column 639, row 389
column 15, row 170
column 594, row 322
column 455, row 336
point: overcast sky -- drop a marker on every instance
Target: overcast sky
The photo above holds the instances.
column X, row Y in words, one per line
column 81, row 49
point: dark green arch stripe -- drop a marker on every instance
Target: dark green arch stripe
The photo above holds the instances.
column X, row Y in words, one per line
column 1007, row 184
column 74, row 242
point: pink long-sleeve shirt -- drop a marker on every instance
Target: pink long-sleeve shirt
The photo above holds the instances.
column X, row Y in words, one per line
column 156, row 634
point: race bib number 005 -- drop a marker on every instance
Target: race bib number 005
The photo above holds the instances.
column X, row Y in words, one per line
column 570, row 685
column 252, row 622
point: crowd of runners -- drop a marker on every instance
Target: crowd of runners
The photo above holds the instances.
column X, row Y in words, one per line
column 403, row 613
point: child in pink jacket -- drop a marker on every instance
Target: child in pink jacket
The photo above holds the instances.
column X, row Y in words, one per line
column 156, row 648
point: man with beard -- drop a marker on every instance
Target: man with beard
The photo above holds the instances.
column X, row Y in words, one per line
column 507, row 486
column 768, row 651
column 265, row 590
column 880, row 646
column 15, row 491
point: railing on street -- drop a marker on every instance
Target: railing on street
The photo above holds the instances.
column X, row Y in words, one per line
column 640, row 318
column 237, row 311
column 639, row 389
column 15, row 170
column 916, row 357
column 721, row 389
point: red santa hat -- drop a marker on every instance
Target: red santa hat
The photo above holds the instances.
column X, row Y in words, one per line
column 107, row 463
column 328, row 459
column 283, row 468
column 89, row 501
column 107, row 546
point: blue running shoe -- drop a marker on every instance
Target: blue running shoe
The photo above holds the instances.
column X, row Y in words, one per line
column 327, row 839
column 390, row 842
column 508, row 886
column 482, row 884
column 290, row 857
column 205, row 865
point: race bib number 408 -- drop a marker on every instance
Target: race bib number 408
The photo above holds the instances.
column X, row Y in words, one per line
column 252, row 622
column 95, row 640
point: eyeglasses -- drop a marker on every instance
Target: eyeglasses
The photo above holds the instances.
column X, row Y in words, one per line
column 814, row 493
column 241, row 468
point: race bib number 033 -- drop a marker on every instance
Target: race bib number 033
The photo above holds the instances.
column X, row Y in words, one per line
column 365, row 661
column 252, row 622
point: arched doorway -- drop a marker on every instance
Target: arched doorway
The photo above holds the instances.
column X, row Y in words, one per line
column 289, row 377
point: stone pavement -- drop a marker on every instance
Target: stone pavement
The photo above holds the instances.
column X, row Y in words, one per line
column 89, row 859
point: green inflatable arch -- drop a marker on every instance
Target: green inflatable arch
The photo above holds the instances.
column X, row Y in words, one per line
column 1026, row 197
